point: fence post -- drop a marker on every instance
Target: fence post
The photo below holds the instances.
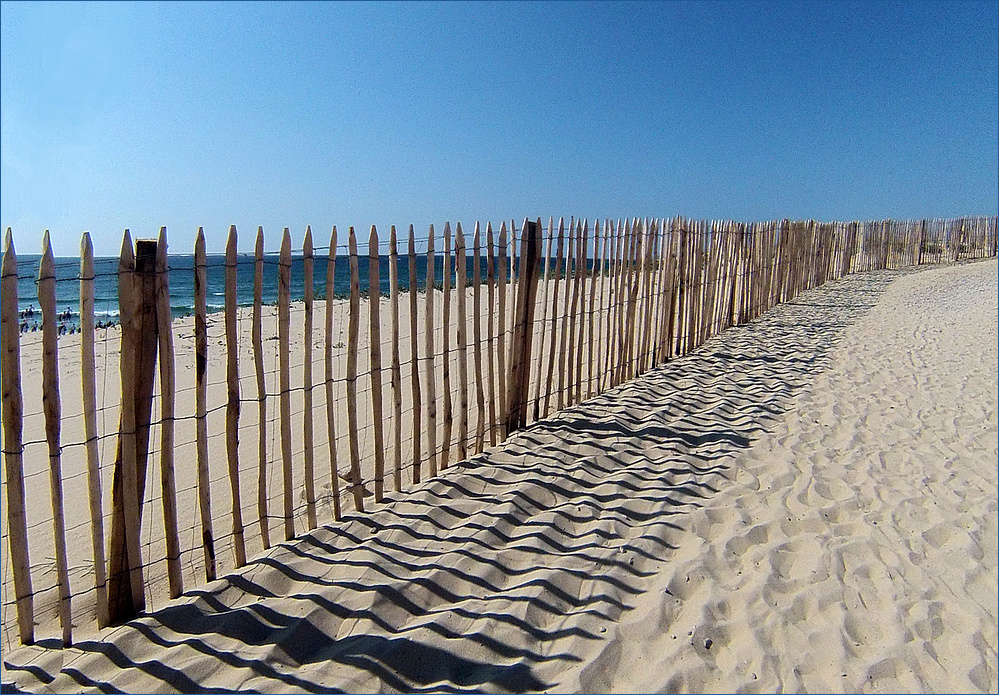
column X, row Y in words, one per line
column 352, row 333
column 88, row 388
column 309, row 455
column 375, row 361
column 168, row 484
column 232, row 403
column 201, row 402
column 52, row 407
column 256, row 340
column 922, row 242
column 13, row 420
column 520, row 357
column 139, row 337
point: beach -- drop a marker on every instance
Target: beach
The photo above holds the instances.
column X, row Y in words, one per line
column 805, row 502
column 192, row 557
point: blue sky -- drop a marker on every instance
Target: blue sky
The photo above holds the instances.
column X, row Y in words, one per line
column 148, row 114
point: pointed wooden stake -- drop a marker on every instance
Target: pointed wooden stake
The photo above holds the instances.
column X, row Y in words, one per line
column 352, row 333
column 201, row 403
column 396, row 362
column 375, row 361
column 431, row 377
column 125, row 589
column 258, row 368
column 88, row 388
column 480, row 397
column 520, row 353
column 13, row 422
column 328, row 359
column 232, row 404
column 446, row 350
column 284, row 367
column 168, row 485
column 415, row 358
column 462, row 338
column 309, row 455
column 52, row 407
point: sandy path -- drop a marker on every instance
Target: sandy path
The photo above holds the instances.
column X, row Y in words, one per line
column 856, row 549
column 734, row 520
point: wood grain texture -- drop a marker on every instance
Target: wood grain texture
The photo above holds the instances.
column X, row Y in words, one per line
column 353, row 329
column 331, row 431
column 168, row 386
column 415, row 360
column 52, row 409
column 308, row 413
column 284, row 381
column 375, row 362
column 233, row 401
column 201, row 405
column 88, row 389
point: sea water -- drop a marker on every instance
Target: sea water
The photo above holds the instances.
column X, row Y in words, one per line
column 181, row 280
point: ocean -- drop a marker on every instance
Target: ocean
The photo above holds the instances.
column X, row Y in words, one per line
column 181, row 274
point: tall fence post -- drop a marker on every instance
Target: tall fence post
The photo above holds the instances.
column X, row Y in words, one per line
column 201, row 402
column 168, row 483
column 52, row 407
column 13, row 421
column 520, row 353
column 140, row 337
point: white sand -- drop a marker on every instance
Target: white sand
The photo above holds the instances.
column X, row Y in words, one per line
column 856, row 549
column 808, row 496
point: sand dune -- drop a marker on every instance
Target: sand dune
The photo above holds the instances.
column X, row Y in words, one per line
column 807, row 502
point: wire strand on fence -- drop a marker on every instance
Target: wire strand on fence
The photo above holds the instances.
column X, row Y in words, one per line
column 613, row 300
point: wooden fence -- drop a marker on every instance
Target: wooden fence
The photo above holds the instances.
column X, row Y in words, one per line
column 531, row 321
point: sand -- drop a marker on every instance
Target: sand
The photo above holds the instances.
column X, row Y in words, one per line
column 807, row 502
column 78, row 524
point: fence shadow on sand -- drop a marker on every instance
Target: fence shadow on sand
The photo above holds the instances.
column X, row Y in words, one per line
column 503, row 573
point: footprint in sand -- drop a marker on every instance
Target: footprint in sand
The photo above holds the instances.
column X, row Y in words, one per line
column 938, row 535
column 797, row 560
column 740, row 544
column 861, row 630
column 833, row 490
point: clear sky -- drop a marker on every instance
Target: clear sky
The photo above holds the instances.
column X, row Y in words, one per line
column 148, row 114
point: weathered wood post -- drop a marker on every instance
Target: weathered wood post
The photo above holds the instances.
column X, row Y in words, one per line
column 256, row 339
column 233, row 400
column 308, row 426
column 328, row 365
column 396, row 376
column 13, row 420
column 414, row 351
column 352, row 333
column 523, row 330
column 431, row 376
column 88, row 387
column 168, row 483
column 461, row 259
column 52, row 407
column 922, row 242
column 375, row 361
column 284, row 381
column 139, row 340
column 201, row 402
